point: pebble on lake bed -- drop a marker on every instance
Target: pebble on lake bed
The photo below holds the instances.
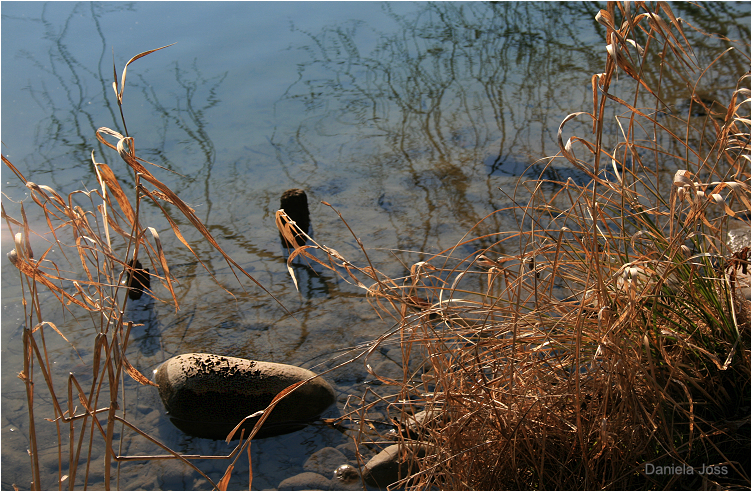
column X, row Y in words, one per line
column 207, row 395
column 347, row 474
column 305, row 481
column 386, row 468
column 324, row 461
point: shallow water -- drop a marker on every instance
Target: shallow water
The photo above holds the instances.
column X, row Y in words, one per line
column 413, row 120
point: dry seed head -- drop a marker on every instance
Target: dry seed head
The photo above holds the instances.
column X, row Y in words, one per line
column 48, row 189
column 598, row 351
column 681, row 193
column 618, row 57
column 19, row 242
column 682, row 178
column 418, row 268
column 603, row 18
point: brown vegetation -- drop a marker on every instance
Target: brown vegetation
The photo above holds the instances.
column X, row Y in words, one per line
column 612, row 339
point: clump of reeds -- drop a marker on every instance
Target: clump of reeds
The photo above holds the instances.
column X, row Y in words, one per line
column 97, row 246
column 614, row 339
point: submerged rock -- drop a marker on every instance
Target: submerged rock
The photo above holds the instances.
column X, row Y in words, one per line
column 386, row 467
column 416, row 426
column 351, row 451
column 346, row 475
column 324, row 461
column 306, row 481
column 207, row 395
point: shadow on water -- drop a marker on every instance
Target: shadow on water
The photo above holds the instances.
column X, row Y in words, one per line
column 147, row 329
column 312, row 281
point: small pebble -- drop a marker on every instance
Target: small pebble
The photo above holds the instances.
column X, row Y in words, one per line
column 347, row 474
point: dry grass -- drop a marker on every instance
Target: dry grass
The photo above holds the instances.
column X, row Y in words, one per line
column 612, row 339
column 99, row 237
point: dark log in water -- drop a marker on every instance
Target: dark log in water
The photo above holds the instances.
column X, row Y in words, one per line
column 140, row 280
column 295, row 204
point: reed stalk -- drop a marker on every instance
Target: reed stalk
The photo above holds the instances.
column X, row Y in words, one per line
column 104, row 232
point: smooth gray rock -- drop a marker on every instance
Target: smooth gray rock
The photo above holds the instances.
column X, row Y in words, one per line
column 416, row 425
column 324, row 461
column 305, row 481
column 350, row 451
column 207, row 395
column 386, row 468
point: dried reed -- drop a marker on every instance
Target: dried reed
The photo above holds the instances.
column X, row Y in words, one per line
column 103, row 231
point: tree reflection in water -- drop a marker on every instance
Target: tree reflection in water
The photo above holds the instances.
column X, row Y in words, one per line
column 461, row 99
column 456, row 102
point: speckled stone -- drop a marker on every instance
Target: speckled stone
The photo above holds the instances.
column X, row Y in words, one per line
column 207, row 395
